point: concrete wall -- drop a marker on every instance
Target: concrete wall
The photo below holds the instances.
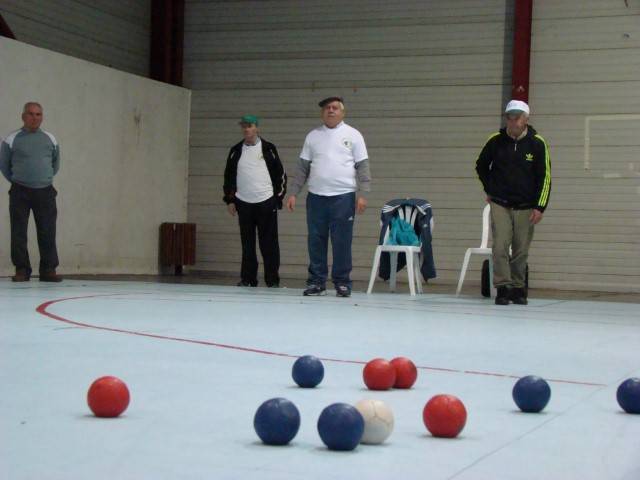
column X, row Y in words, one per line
column 124, row 148
column 111, row 33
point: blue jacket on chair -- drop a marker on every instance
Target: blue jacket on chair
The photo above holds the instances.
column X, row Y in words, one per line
column 422, row 223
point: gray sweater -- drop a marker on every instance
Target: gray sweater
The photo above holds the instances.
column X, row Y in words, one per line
column 30, row 158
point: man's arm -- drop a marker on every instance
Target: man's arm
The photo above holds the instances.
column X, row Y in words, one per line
column 229, row 186
column 542, row 172
column 5, row 160
column 363, row 175
column 280, row 188
column 56, row 159
column 483, row 165
column 302, row 174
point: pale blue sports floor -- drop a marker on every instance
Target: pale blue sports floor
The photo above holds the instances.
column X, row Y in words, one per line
column 200, row 359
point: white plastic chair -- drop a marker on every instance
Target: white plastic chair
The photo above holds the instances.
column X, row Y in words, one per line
column 483, row 249
column 410, row 215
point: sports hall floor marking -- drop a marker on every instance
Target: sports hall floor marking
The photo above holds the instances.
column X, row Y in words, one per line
column 42, row 309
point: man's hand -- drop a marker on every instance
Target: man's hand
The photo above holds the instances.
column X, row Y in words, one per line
column 361, row 205
column 535, row 217
column 231, row 207
column 291, row 203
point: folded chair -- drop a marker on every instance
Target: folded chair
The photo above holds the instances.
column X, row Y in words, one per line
column 483, row 249
column 418, row 258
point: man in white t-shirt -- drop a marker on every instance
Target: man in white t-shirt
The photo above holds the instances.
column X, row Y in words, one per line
column 254, row 186
column 335, row 162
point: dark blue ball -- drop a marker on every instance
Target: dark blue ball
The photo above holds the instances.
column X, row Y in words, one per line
column 307, row 371
column 277, row 421
column 341, row 426
column 628, row 395
column 531, row 394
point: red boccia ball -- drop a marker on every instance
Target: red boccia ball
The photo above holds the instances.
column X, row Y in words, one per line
column 108, row 397
column 379, row 374
column 406, row 372
column 444, row 416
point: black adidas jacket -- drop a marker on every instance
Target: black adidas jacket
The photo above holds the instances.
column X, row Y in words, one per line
column 274, row 165
column 516, row 173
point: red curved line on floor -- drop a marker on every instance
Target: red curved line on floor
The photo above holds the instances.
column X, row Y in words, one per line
column 42, row 309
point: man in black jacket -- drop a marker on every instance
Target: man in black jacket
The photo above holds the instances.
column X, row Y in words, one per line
column 515, row 170
column 254, row 185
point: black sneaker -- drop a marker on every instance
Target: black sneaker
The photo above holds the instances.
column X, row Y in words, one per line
column 343, row 291
column 314, row 290
column 503, row 296
column 242, row 283
column 519, row 296
column 273, row 285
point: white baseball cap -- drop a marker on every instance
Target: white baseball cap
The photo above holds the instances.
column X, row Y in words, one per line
column 517, row 106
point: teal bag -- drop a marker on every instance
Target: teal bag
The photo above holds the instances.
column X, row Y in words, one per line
column 402, row 233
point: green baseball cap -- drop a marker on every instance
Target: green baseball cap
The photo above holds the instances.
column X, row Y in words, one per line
column 249, row 119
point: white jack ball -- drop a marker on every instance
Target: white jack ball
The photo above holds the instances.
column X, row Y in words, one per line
column 378, row 421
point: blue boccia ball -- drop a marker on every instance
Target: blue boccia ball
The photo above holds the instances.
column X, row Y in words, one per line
column 307, row 371
column 531, row 394
column 628, row 395
column 277, row 421
column 341, row 426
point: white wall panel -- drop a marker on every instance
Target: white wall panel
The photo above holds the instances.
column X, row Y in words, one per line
column 586, row 62
column 425, row 82
column 261, row 15
column 115, row 34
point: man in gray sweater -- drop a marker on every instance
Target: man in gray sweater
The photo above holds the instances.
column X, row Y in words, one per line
column 29, row 158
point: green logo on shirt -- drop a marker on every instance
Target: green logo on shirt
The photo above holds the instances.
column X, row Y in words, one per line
column 529, row 157
column 347, row 143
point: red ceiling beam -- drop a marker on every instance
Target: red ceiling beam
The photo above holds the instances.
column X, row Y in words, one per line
column 521, row 50
column 167, row 38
